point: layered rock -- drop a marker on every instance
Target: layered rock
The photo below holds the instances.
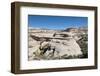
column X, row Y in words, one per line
column 53, row 44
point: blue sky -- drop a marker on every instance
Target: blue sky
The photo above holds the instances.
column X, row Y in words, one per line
column 56, row 22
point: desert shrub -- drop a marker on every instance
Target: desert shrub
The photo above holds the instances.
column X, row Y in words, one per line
column 83, row 43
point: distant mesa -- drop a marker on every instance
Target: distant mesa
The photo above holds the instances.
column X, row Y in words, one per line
column 71, row 30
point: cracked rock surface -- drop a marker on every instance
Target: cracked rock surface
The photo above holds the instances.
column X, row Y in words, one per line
column 54, row 44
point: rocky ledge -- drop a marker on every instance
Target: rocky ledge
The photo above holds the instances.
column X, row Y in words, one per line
column 47, row 44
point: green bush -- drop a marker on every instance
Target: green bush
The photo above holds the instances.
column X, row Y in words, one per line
column 83, row 43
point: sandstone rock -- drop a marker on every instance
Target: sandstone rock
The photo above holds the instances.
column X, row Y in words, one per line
column 53, row 44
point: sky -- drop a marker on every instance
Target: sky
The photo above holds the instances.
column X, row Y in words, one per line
column 56, row 22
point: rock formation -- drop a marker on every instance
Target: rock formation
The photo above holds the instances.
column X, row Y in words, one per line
column 55, row 44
